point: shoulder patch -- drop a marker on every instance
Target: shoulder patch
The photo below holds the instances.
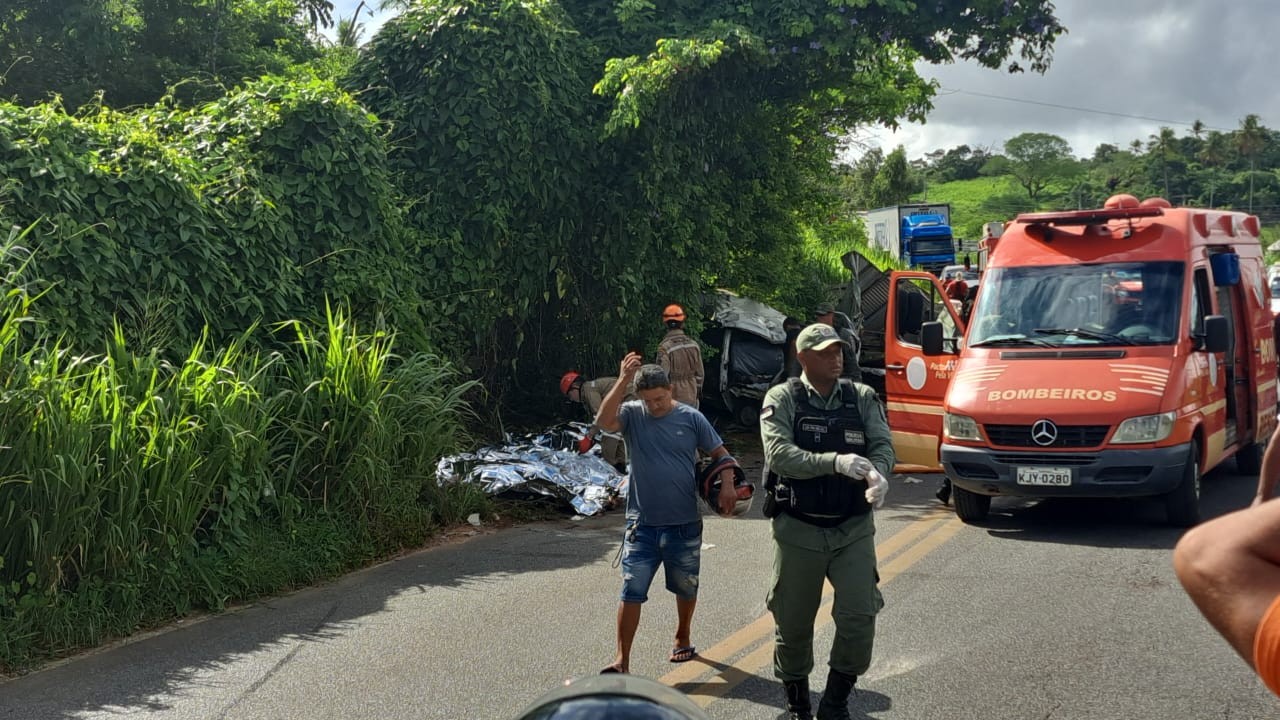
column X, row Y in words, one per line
column 766, row 412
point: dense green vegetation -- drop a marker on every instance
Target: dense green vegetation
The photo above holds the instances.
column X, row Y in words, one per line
column 135, row 488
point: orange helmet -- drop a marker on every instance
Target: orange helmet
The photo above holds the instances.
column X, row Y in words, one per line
column 673, row 312
column 567, row 381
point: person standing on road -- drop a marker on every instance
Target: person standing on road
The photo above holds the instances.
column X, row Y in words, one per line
column 681, row 357
column 663, row 523
column 828, row 450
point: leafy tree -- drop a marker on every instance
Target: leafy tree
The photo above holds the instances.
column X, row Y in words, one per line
column 1214, row 154
column 1036, row 159
column 319, row 13
column 893, row 183
column 958, row 163
column 1250, row 139
column 1104, row 152
column 677, row 148
column 864, row 176
column 131, row 51
column 1162, row 145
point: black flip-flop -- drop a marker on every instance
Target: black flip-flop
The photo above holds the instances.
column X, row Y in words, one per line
column 611, row 669
column 683, row 654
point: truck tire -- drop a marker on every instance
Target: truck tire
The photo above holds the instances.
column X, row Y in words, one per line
column 970, row 506
column 1182, row 504
column 1249, row 459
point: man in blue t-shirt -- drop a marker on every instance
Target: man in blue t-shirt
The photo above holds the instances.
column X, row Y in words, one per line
column 664, row 526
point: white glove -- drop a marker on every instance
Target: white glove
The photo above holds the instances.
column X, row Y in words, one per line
column 854, row 466
column 877, row 488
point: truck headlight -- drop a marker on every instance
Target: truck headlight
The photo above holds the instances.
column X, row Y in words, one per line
column 1145, row 429
column 961, row 427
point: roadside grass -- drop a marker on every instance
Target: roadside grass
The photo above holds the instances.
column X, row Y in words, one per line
column 135, row 490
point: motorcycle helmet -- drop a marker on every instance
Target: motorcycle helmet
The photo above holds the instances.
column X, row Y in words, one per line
column 616, row 697
column 709, row 486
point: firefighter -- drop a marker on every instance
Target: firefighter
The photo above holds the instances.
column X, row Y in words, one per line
column 681, row 356
column 591, row 394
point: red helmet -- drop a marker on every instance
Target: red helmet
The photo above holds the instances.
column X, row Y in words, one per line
column 568, row 380
column 709, row 486
column 673, row 312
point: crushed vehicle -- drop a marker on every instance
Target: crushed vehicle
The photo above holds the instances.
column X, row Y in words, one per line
column 748, row 343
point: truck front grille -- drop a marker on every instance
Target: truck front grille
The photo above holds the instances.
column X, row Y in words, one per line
column 1069, row 436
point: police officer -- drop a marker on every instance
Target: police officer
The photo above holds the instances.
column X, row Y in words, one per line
column 828, row 449
column 681, row 356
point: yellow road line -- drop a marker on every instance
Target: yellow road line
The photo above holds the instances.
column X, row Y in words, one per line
column 927, row 526
column 733, row 675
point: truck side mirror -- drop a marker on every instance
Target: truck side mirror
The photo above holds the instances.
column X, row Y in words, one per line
column 931, row 338
column 1217, row 334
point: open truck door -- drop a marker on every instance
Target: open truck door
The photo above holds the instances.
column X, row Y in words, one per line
column 922, row 337
column 895, row 313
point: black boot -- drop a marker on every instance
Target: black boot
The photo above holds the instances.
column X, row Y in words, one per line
column 798, row 703
column 835, row 699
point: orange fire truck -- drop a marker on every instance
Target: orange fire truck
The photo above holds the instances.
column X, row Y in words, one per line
column 1121, row 351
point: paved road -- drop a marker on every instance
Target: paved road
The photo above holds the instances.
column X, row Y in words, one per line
column 1051, row 610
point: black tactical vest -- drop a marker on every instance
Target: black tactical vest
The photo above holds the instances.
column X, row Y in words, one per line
column 828, row 500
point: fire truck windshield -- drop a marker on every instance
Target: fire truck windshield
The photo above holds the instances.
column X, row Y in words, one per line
column 1099, row 304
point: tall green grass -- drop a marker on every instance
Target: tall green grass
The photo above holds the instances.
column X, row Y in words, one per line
column 134, row 489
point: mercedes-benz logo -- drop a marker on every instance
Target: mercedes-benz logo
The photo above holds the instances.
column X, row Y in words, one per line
column 1044, row 433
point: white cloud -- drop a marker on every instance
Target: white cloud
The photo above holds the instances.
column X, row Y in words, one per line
column 1123, row 70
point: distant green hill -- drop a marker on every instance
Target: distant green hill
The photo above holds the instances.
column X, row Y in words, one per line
column 976, row 202
column 982, row 200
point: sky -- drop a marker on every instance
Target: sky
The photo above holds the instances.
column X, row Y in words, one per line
column 1123, row 69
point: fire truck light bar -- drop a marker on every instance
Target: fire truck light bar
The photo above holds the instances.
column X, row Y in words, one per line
column 1088, row 217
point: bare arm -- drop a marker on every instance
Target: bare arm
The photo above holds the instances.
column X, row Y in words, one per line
column 1270, row 469
column 607, row 417
column 1230, row 566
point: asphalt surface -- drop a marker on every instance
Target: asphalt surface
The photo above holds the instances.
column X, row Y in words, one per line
column 1054, row 609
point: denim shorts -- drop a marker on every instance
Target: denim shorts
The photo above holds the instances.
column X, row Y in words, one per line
column 677, row 548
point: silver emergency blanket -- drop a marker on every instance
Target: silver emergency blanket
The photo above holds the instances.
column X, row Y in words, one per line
column 540, row 466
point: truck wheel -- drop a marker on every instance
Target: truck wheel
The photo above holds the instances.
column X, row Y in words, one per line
column 1249, row 459
column 748, row 415
column 970, row 506
column 1182, row 505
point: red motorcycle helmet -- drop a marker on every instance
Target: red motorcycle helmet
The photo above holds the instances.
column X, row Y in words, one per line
column 709, row 486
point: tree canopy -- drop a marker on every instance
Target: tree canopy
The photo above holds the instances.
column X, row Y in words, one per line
column 131, row 51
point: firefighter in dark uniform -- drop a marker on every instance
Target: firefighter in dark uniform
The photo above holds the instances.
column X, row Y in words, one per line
column 828, row 450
